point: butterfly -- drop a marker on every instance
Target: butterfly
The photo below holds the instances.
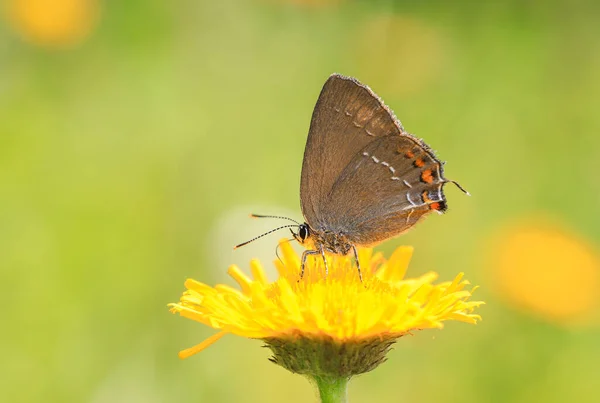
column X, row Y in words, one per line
column 364, row 178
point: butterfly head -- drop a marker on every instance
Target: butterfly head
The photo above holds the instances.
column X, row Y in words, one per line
column 303, row 234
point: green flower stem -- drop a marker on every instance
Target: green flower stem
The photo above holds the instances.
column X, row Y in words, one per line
column 332, row 390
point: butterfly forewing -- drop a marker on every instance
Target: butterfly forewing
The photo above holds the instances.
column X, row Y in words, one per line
column 347, row 117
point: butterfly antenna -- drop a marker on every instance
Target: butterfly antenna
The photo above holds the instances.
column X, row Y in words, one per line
column 273, row 216
column 260, row 236
column 465, row 191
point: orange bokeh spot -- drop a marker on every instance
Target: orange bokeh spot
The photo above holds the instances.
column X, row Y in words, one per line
column 53, row 23
column 547, row 271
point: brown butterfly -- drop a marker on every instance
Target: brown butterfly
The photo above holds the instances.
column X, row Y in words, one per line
column 364, row 178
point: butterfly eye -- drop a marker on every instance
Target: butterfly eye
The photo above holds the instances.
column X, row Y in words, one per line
column 303, row 232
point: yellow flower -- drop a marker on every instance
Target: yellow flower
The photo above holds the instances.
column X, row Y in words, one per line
column 352, row 323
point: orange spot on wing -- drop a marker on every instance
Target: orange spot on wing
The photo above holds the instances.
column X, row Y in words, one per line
column 419, row 163
column 409, row 154
column 427, row 176
column 435, row 206
column 425, row 197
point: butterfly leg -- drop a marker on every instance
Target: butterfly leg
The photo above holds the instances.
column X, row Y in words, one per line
column 357, row 263
column 304, row 256
column 324, row 260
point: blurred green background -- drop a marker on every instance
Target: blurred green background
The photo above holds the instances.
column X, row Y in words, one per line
column 136, row 136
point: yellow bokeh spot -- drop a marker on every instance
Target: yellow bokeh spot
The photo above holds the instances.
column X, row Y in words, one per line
column 307, row 3
column 401, row 53
column 548, row 271
column 53, row 23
